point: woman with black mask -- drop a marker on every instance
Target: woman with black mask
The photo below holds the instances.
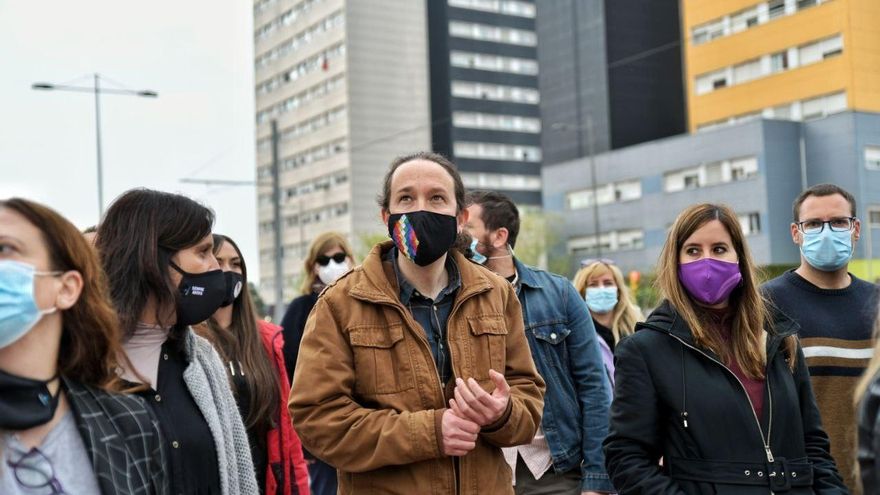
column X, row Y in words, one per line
column 156, row 248
column 64, row 426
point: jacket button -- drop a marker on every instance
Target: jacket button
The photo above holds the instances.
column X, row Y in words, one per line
column 748, row 473
column 793, row 474
column 158, row 398
column 553, row 336
column 175, row 444
column 760, row 474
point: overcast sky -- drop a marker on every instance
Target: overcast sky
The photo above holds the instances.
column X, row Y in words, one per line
column 196, row 54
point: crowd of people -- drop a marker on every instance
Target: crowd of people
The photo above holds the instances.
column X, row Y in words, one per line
column 133, row 359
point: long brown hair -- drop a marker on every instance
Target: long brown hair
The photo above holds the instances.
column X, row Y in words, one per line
column 90, row 350
column 241, row 343
column 750, row 311
column 625, row 313
column 323, row 243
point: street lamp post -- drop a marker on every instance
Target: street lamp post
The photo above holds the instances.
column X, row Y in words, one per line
column 96, row 89
column 562, row 126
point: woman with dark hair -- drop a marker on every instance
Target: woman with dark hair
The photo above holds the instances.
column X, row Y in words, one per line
column 252, row 350
column 330, row 256
column 156, row 248
column 64, row 426
column 715, row 382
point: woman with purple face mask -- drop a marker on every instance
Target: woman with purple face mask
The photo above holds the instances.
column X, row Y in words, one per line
column 714, row 383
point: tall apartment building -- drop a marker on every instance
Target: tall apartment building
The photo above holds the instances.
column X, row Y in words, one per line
column 484, row 93
column 781, row 59
column 610, row 74
column 347, row 83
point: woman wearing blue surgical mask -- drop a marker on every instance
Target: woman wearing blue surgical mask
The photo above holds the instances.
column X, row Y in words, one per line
column 601, row 285
column 64, row 425
column 156, row 249
column 330, row 257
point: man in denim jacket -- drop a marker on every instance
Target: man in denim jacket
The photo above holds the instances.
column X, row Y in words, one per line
column 566, row 454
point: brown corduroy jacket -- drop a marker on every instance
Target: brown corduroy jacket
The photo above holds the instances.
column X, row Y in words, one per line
column 367, row 396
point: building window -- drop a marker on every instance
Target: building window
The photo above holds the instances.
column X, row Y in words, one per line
column 496, row 151
column 494, row 63
column 507, row 7
column 495, row 92
column 711, row 174
column 744, row 20
column 708, row 32
column 506, row 182
column 746, row 71
column 495, row 34
column 301, row 39
column 775, row 8
column 820, row 50
column 618, row 240
column 779, row 61
column 802, row 4
column 823, row 106
column 712, row 81
column 750, row 223
column 496, row 122
column 617, row 192
column 743, row 168
column 872, row 157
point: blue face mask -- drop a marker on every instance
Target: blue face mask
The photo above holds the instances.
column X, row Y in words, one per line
column 18, row 308
column 827, row 251
column 477, row 257
column 601, row 299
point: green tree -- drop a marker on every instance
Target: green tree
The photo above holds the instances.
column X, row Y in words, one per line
column 539, row 233
column 257, row 299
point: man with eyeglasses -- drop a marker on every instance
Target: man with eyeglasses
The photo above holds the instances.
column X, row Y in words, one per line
column 834, row 308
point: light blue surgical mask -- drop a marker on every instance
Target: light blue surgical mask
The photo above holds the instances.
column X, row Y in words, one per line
column 18, row 308
column 827, row 250
column 477, row 257
column 601, row 299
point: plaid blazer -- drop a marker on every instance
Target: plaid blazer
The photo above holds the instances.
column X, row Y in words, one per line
column 122, row 439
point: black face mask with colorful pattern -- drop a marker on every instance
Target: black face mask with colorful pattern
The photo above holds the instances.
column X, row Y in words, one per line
column 423, row 236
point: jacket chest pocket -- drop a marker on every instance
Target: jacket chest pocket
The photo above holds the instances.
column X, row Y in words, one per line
column 488, row 347
column 381, row 360
column 551, row 340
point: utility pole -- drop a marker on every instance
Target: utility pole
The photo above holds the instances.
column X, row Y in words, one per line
column 278, row 313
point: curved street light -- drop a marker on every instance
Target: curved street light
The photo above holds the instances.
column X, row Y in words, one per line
column 96, row 89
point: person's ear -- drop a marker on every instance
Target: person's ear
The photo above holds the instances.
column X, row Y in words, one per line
column 463, row 217
column 501, row 237
column 384, row 214
column 857, row 229
column 71, row 287
column 795, row 233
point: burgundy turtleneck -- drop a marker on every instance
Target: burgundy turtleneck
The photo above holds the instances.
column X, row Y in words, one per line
column 721, row 320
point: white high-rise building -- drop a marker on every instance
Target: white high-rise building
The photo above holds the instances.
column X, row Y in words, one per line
column 347, row 83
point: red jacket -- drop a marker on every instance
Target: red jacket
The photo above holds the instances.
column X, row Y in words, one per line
column 284, row 449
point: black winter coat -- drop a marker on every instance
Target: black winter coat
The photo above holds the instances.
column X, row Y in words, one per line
column 678, row 402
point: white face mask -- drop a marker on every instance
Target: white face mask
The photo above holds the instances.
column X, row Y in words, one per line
column 332, row 271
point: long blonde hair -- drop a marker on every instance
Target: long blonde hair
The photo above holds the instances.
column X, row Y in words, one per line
column 750, row 311
column 323, row 243
column 873, row 366
column 626, row 313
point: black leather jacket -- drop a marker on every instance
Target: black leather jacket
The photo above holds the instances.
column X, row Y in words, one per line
column 676, row 401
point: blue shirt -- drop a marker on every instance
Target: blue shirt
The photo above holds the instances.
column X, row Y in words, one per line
column 431, row 315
